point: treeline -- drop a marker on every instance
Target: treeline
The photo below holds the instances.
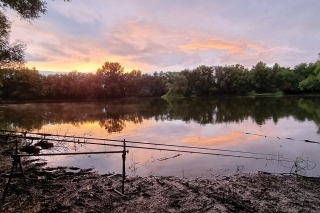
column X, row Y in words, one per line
column 110, row 81
column 238, row 80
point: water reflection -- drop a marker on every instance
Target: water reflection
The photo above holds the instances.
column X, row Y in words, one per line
column 212, row 123
column 113, row 115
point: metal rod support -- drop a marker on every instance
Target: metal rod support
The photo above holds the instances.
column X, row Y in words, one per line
column 15, row 161
column 123, row 165
column 7, row 186
column 24, row 179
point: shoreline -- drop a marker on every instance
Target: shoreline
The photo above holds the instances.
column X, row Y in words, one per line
column 62, row 189
column 164, row 97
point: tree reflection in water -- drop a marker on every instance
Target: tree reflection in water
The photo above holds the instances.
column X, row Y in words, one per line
column 113, row 115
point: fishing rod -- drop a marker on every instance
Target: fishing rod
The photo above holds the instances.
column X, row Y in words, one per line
column 70, row 136
column 60, row 140
column 145, row 143
column 173, row 150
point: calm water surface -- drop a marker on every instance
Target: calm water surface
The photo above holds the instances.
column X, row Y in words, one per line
column 274, row 129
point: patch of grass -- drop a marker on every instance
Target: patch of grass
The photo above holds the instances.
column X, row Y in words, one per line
column 172, row 96
column 252, row 93
column 277, row 94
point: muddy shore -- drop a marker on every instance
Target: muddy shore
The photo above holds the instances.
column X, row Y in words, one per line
column 69, row 189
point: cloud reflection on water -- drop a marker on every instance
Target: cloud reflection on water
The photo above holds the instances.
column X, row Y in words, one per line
column 185, row 122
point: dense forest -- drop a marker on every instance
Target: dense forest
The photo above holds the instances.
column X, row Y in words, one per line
column 110, row 81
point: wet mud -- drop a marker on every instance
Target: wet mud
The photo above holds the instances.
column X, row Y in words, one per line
column 70, row 189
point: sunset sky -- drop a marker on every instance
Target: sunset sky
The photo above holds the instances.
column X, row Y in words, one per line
column 170, row 35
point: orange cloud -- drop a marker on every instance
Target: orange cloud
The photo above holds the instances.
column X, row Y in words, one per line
column 57, row 51
column 215, row 44
column 73, row 64
column 233, row 47
column 256, row 47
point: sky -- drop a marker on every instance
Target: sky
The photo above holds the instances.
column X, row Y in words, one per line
column 170, row 35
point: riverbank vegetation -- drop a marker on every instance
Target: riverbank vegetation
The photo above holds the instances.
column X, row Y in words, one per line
column 110, row 81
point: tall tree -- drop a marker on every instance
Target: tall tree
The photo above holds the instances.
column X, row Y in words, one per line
column 12, row 55
column 111, row 83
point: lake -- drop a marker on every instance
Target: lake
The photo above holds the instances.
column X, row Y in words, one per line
column 238, row 134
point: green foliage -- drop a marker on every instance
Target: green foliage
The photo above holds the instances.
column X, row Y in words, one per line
column 252, row 93
column 231, row 80
column 262, row 79
column 26, row 9
column 12, row 54
column 178, row 86
column 21, row 84
column 237, row 80
column 312, row 82
column 110, row 81
column 172, row 97
column 279, row 94
column 131, row 80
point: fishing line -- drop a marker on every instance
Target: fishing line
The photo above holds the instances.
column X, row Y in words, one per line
column 271, row 136
column 139, row 142
column 161, row 149
column 209, row 153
